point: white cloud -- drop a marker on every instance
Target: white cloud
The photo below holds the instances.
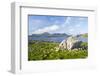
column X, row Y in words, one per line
column 70, row 27
column 78, row 25
column 46, row 29
column 67, row 21
column 71, row 30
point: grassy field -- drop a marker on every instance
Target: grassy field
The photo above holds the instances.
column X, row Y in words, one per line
column 39, row 50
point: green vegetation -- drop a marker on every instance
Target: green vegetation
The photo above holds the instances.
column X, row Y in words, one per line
column 39, row 50
column 84, row 45
column 85, row 35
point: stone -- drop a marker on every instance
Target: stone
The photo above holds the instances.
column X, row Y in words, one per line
column 63, row 45
column 70, row 43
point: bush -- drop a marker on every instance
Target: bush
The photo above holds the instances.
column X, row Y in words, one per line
column 84, row 45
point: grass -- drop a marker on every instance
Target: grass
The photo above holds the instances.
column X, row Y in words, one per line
column 39, row 50
column 85, row 35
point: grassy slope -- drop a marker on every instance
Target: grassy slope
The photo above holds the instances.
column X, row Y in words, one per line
column 85, row 35
column 46, row 51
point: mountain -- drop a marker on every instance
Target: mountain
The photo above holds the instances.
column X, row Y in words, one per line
column 55, row 37
column 49, row 35
column 45, row 33
column 83, row 35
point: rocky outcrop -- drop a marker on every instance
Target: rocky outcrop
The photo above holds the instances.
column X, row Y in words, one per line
column 63, row 45
column 73, row 43
column 70, row 43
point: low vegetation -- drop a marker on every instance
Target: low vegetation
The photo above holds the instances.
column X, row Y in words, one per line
column 85, row 35
column 40, row 50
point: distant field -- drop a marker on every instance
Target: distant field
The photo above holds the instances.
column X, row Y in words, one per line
column 39, row 50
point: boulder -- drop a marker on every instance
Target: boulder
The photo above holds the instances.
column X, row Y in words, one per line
column 70, row 43
column 63, row 45
column 73, row 42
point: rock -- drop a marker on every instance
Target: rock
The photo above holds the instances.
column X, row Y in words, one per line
column 63, row 45
column 70, row 43
column 73, row 42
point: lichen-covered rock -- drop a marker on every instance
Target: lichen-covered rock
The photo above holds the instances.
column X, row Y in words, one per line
column 63, row 45
column 70, row 43
column 73, row 42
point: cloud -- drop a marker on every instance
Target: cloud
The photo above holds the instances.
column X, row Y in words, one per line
column 46, row 29
column 67, row 22
column 78, row 25
column 71, row 30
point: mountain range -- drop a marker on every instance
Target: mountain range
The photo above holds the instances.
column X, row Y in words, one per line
column 55, row 37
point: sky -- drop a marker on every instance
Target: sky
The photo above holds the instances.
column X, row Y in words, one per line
column 38, row 24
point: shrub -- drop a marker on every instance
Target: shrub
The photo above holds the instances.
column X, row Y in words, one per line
column 84, row 45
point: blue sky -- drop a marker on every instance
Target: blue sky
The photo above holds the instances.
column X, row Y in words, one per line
column 57, row 24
